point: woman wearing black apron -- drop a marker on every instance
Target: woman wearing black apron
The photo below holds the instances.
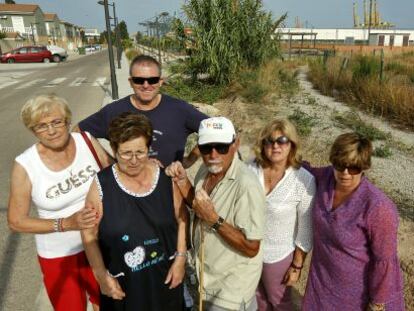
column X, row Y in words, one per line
column 137, row 251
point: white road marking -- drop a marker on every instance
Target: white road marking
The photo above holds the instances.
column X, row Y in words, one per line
column 6, row 84
column 29, row 84
column 99, row 81
column 78, row 81
column 55, row 82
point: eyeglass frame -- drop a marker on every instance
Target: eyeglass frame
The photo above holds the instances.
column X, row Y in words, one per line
column 139, row 155
column 352, row 170
column 57, row 123
column 154, row 80
column 281, row 141
column 212, row 146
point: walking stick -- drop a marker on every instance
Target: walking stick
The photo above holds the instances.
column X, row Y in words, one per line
column 201, row 269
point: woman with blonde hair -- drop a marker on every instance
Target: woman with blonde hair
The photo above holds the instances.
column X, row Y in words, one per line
column 354, row 262
column 289, row 198
column 55, row 174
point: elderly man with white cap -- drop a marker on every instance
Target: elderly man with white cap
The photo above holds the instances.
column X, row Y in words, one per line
column 229, row 206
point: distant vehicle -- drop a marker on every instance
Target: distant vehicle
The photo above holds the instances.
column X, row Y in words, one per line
column 58, row 54
column 98, row 47
column 90, row 48
column 27, row 54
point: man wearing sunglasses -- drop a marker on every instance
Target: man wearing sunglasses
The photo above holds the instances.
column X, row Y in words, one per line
column 172, row 119
column 229, row 205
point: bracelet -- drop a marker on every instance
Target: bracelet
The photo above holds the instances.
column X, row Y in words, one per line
column 178, row 254
column 295, row 266
column 58, row 225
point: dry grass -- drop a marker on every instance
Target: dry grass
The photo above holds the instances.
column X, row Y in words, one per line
column 360, row 85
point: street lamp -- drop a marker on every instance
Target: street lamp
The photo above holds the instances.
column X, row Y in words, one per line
column 117, row 34
column 114, row 84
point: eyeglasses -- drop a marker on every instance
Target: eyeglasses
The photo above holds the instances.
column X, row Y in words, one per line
column 352, row 170
column 141, row 80
column 128, row 155
column 281, row 140
column 43, row 127
column 220, row 148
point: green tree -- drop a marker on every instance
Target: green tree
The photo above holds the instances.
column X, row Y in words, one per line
column 10, row 2
column 123, row 30
column 230, row 35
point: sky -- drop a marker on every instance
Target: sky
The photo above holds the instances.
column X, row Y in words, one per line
column 311, row 13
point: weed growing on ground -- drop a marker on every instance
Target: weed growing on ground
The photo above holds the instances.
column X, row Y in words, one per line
column 382, row 152
column 352, row 120
column 302, row 121
column 193, row 91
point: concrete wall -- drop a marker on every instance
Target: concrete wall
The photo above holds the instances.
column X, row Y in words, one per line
column 332, row 34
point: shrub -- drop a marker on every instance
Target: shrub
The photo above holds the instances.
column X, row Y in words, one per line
column 131, row 53
column 353, row 121
column 382, row 152
column 303, row 122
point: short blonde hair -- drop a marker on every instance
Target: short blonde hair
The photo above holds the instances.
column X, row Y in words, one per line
column 351, row 149
column 289, row 130
column 41, row 105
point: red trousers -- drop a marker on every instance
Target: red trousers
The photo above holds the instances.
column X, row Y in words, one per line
column 67, row 280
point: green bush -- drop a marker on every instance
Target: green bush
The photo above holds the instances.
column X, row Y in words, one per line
column 365, row 67
column 228, row 36
column 353, row 121
column 382, row 152
column 193, row 91
column 131, row 53
column 303, row 122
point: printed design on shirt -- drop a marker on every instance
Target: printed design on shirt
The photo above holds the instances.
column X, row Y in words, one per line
column 75, row 180
column 153, row 153
column 135, row 258
column 125, row 238
column 138, row 260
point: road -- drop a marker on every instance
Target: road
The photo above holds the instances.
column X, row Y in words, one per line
column 83, row 82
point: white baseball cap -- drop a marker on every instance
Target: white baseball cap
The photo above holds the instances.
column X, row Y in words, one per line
column 216, row 130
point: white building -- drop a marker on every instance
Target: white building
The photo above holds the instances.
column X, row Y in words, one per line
column 380, row 37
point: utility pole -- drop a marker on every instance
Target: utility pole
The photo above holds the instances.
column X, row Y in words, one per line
column 157, row 25
column 369, row 20
column 117, row 37
column 114, row 84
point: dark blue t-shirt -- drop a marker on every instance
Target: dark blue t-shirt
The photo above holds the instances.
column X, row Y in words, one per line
column 172, row 120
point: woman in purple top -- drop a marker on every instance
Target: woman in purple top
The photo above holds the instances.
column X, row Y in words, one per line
column 354, row 262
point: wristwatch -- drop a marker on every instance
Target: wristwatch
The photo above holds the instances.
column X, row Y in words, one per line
column 217, row 225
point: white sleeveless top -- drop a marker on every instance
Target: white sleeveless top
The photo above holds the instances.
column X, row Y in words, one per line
column 59, row 194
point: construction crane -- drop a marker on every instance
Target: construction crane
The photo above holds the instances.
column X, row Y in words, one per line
column 372, row 18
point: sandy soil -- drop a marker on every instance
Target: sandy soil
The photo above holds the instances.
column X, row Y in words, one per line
column 395, row 175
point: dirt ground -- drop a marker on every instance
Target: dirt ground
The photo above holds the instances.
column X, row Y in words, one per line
column 249, row 118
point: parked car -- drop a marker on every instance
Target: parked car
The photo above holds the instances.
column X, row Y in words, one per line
column 58, row 54
column 27, row 54
column 90, row 48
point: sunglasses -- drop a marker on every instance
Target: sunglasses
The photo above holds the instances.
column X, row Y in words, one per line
column 220, row 148
column 141, row 80
column 281, row 140
column 352, row 170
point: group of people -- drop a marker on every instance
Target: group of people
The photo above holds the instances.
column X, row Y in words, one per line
column 117, row 229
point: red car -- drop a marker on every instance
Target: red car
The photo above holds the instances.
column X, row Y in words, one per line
column 27, row 54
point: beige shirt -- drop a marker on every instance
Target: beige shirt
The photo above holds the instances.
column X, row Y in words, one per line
column 229, row 277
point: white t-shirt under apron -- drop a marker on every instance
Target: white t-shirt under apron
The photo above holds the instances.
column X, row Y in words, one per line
column 59, row 194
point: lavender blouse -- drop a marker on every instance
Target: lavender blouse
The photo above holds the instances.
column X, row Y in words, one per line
column 354, row 259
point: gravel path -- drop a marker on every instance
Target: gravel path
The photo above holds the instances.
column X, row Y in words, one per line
column 394, row 175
